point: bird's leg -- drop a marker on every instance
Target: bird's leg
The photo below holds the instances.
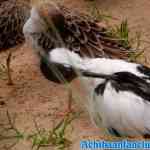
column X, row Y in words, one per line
column 69, row 108
column 70, row 98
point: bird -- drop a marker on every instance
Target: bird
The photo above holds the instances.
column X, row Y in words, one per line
column 13, row 15
column 119, row 91
column 53, row 25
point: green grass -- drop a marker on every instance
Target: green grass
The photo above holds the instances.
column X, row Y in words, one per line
column 55, row 137
column 117, row 32
column 39, row 139
column 10, row 133
column 121, row 32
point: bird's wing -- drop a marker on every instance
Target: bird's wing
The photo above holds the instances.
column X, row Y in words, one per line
column 45, row 41
column 124, row 111
column 12, row 18
column 90, row 38
column 126, row 81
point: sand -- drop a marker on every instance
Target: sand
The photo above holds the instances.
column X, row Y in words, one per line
column 32, row 97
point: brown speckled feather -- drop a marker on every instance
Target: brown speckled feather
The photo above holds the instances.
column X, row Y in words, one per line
column 13, row 14
column 93, row 37
column 82, row 34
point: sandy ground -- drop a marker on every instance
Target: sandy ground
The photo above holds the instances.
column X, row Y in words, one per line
column 33, row 97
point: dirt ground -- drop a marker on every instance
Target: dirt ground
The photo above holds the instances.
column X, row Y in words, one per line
column 33, row 97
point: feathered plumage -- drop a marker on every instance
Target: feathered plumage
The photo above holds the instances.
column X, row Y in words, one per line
column 119, row 93
column 77, row 32
column 13, row 15
column 52, row 26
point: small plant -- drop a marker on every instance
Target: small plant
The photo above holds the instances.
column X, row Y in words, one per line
column 118, row 32
column 10, row 135
column 121, row 33
column 9, row 132
column 40, row 138
column 55, row 137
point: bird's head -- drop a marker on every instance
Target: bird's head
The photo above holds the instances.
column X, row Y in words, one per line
column 66, row 58
column 51, row 14
column 61, row 62
column 45, row 18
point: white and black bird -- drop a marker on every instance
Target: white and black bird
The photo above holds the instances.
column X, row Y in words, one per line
column 119, row 91
column 54, row 26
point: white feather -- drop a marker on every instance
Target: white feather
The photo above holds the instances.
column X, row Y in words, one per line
column 110, row 66
column 98, row 65
column 124, row 111
column 66, row 57
column 34, row 25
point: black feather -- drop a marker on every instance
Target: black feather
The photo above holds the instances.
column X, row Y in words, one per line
column 122, row 81
column 126, row 81
column 67, row 73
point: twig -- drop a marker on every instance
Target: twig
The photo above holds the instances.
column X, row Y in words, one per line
column 8, row 61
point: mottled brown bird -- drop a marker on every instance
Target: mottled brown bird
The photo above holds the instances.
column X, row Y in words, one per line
column 53, row 26
column 77, row 32
column 13, row 15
